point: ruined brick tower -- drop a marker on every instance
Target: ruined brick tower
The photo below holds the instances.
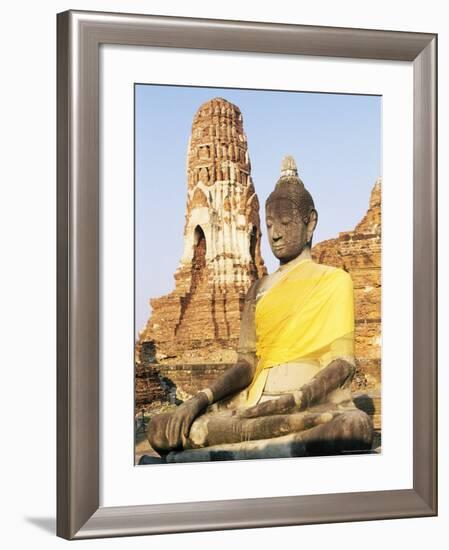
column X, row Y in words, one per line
column 359, row 253
column 200, row 320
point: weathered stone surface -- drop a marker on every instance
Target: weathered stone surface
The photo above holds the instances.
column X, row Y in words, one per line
column 192, row 334
column 200, row 320
column 359, row 253
column 152, row 389
column 190, row 378
column 148, row 383
column 158, row 385
column 370, row 402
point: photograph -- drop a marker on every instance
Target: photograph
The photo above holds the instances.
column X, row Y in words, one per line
column 258, row 329
column 247, row 237
column 223, row 243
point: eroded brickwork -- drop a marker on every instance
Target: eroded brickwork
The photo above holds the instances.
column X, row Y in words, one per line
column 359, row 253
column 199, row 322
column 192, row 334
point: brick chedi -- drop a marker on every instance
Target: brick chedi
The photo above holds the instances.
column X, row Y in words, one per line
column 199, row 322
column 359, row 253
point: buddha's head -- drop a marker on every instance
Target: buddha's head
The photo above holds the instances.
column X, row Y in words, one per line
column 290, row 214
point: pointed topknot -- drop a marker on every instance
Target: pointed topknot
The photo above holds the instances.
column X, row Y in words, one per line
column 290, row 186
column 289, row 173
column 288, row 167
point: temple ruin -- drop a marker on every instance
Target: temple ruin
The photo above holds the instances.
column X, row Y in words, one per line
column 359, row 253
column 199, row 321
column 192, row 334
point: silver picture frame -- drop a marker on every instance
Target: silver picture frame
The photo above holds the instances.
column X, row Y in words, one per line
column 79, row 37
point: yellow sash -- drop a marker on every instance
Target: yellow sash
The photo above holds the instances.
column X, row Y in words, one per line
column 307, row 313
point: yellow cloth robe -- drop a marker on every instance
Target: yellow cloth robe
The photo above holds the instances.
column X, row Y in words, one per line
column 307, row 314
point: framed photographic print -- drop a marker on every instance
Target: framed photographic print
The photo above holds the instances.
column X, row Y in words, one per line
column 272, row 190
column 192, row 336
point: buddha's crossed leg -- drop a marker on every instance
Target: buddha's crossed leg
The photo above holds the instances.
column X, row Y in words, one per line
column 331, row 433
column 319, row 432
column 305, row 423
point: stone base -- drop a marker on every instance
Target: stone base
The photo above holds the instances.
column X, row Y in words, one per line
column 287, row 446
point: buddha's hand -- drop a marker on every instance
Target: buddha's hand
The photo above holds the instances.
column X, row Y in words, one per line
column 285, row 404
column 178, row 425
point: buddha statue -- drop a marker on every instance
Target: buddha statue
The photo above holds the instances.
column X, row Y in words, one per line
column 288, row 394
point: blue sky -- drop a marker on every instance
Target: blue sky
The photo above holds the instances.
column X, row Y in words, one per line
column 335, row 139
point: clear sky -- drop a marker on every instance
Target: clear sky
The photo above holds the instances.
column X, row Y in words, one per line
column 334, row 138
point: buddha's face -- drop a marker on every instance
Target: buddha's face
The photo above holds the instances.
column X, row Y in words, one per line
column 288, row 234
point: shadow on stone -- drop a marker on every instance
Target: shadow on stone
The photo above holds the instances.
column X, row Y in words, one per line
column 370, row 403
column 170, row 388
column 365, row 403
column 146, row 459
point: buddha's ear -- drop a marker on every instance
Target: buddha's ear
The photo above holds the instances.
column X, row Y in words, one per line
column 313, row 220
